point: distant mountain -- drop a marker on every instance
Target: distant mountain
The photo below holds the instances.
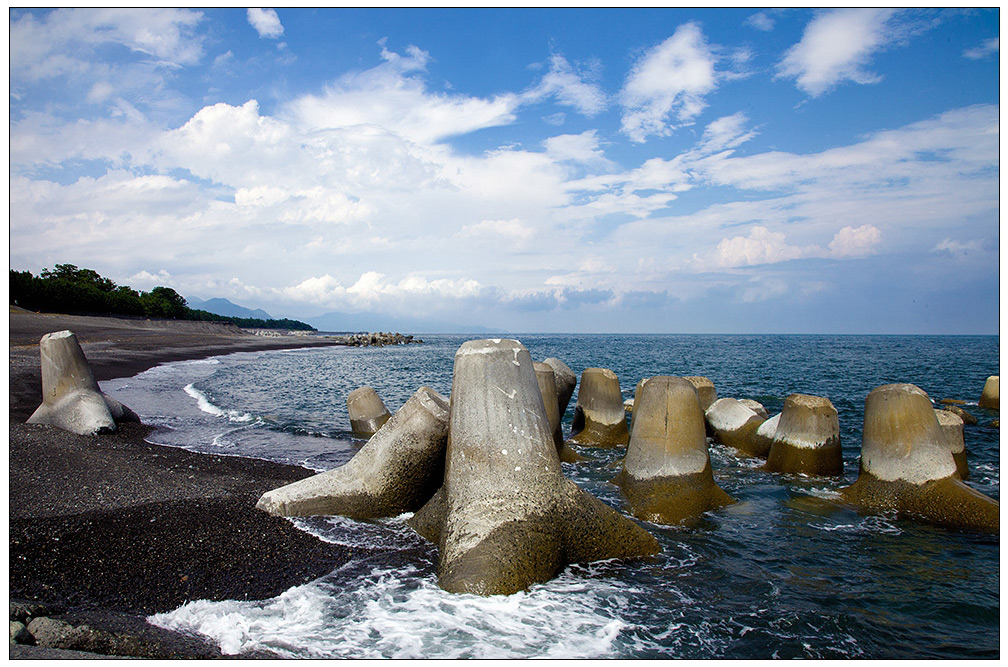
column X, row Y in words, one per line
column 349, row 322
column 220, row 306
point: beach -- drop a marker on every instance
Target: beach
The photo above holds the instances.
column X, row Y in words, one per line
column 107, row 529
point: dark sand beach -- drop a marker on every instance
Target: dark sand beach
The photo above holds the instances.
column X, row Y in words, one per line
column 105, row 530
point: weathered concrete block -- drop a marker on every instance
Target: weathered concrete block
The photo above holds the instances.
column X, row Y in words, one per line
column 733, row 424
column 630, row 404
column 966, row 417
column 367, row 412
column 705, row 390
column 548, row 390
column 599, row 417
column 566, row 381
column 396, row 471
column 510, row 518
column 762, row 438
column 906, row 465
column 71, row 399
column 807, row 438
column 755, row 406
column 951, row 426
column 667, row 476
column 991, row 396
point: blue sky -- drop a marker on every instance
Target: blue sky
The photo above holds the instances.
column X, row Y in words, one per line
column 732, row 170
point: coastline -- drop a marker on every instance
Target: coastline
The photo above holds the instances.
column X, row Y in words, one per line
column 106, row 530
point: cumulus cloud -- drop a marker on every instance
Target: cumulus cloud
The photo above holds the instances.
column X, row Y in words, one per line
column 762, row 246
column 855, row 242
column 371, row 290
column 668, row 84
column 837, row 46
column 266, row 23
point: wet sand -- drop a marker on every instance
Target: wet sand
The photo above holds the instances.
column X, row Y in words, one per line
column 108, row 529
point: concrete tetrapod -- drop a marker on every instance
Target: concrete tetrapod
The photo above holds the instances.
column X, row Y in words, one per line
column 952, row 428
column 506, row 517
column 396, row 471
column 667, row 476
column 599, row 416
column 705, row 390
column 566, row 380
column 547, row 389
column 367, row 412
column 990, row 398
column 631, row 404
column 762, row 438
column 71, row 398
column 906, row 465
column 734, row 424
column 807, row 438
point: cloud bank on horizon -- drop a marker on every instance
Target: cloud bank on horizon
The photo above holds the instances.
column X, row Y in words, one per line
column 528, row 170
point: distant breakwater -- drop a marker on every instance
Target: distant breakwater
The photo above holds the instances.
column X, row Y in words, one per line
column 378, row 339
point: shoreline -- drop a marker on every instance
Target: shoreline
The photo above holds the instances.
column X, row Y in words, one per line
column 106, row 530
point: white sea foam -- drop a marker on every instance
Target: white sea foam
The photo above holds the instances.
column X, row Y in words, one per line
column 404, row 614
column 378, row 534
column 207, row 406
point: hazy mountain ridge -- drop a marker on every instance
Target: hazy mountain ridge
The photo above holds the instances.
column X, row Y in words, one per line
column 222, row 306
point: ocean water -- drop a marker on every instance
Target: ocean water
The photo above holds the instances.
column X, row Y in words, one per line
column 786, row 572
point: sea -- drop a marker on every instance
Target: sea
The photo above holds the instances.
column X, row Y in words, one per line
column 787, row 572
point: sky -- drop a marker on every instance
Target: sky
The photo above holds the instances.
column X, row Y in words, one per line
column 533, row 170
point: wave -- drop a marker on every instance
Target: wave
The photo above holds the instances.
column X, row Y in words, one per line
column 206, row 405
column 402, row 613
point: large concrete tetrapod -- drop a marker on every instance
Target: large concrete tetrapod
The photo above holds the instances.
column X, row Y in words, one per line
column 632, row 403
column 510, row 518
column 599, row 416
column 547, row 388
column 990, row 398
column 71, row 398
column 734, row 424
column 706, row 392
column 367, row 412
column 667, row 476
column 396, row 471
column 906, row 465
column 566, row 380
column 952, row 428
column 807, row 438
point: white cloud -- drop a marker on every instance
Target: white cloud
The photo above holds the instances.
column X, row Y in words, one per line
column 725, row 133
column 988, row 48
column 760, row 21
column 667, row 85
column 511, row 233
column 266, row 22
column 62, row 42
column 837, row 46
column 143, row 280
column 569, row 88
column 394, row 98
column 582, row 148
column 859, row 242
column 761, row 247
column 958, row 248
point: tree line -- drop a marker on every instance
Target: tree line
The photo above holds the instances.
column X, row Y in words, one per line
column 68, row 289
